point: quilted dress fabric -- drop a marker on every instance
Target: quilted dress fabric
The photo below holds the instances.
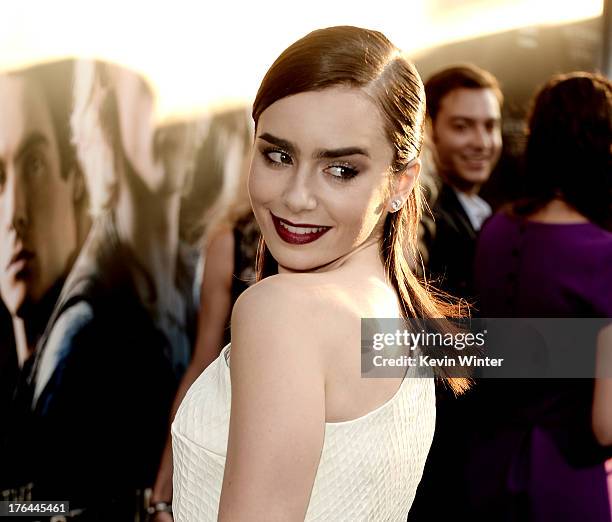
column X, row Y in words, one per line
column 370, row 467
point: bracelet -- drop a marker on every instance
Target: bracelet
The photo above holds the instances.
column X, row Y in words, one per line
column 159, row 507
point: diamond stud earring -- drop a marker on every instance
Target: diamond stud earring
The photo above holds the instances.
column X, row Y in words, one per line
column 396, row 204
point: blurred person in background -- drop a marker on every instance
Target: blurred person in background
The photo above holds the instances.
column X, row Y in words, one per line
column 464, row 114
column 215, row 172
column 538, row 454
column 229, row 265
column 464, row 144
column 42, row 225
column 179, row 143
column 105, row 377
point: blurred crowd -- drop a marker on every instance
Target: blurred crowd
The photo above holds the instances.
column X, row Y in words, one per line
column 124, row 244
column 521, row 449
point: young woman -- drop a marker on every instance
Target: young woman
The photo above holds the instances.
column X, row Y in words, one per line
column 539, row 455
column 333, row 185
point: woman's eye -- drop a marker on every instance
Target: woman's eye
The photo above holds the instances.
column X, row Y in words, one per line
column 342, row 171
column 278, row 157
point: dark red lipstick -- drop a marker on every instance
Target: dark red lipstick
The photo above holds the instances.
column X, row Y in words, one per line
column 294, row 237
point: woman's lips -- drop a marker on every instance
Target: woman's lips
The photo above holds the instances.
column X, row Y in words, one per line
column 295, row 234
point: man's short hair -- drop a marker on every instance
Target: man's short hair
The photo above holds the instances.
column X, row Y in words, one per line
column 54, row 80
column 463, row 76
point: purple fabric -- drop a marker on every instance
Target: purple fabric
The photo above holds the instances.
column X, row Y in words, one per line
column 531, row 269
column 561, row 492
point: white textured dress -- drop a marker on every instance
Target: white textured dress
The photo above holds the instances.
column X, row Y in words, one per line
column 370, row 467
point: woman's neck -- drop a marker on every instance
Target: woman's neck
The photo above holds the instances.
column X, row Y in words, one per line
column 557, row 211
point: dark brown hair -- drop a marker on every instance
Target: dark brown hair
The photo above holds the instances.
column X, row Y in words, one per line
column 568, row 151
column 367, row 60
column 463, row 76
column 54, row 81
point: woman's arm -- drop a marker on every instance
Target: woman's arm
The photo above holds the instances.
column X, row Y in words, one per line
column 602, row 395
column 215, row 308
column 277, row 422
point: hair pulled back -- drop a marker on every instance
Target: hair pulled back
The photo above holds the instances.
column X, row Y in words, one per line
column 367, row 60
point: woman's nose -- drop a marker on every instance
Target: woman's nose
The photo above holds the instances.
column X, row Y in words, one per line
column 299, row 194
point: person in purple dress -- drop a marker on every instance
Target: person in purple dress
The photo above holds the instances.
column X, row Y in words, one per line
column 533, row 453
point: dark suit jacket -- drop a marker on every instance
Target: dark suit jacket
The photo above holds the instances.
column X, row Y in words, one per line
column 451, row 246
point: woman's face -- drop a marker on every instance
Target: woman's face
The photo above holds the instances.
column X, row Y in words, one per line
column 319, row 176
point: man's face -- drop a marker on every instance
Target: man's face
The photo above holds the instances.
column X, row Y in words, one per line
column 467, row 137
column 37, row 217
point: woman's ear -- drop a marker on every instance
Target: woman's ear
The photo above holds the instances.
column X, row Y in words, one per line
column 403, row 183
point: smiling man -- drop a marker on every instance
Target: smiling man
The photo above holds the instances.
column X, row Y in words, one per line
column 464, row 108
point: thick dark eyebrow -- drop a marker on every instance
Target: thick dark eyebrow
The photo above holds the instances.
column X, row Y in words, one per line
column 279, row 142
column 34, row 140
column 320, row 154
column 339, row 153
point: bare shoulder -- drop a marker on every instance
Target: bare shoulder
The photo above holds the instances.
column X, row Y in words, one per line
column 282, row 314
column 290, row 297
column 277, row 421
